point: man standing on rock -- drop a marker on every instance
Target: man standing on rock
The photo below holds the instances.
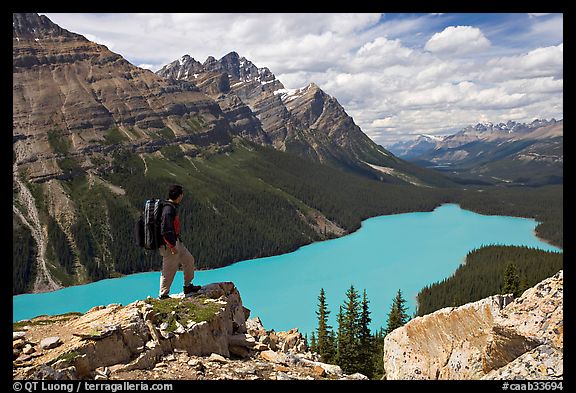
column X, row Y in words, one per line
column 174, row 252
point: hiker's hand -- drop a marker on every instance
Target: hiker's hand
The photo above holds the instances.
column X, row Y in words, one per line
column 174, row 251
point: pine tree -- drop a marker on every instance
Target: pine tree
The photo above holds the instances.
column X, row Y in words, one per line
column 325, row 342
column 313, row 347
column 397, row 316
column 340, row 336
column 349, row 340
column 511, row 280
column 378, row 351
column 365, row 339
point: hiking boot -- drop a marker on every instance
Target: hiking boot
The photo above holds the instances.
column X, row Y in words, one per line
column 162, row 297
column 188, row 289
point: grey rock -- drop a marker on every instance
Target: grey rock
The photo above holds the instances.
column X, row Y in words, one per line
column 357, row 376
column 28, row 349
column 50, row 342
column 214, row 357
column 18, row 335
column 281, row 376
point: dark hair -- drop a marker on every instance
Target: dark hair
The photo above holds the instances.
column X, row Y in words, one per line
column 174, row 191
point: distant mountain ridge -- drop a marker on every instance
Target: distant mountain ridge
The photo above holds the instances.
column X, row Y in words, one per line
column 415, row 147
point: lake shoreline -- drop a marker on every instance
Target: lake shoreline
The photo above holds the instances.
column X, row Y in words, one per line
column 303, row 245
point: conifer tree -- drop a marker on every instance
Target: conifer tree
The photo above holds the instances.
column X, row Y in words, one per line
column 325, row 342
column 340, row 321
column 365, row 339
column 349, row 336
column 313, row 347
column 397, row 316
column 511, row 280
column 378, row 351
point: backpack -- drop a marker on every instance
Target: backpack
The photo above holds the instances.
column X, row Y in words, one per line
column 147, row 228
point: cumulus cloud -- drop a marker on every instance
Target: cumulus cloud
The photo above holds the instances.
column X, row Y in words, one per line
column 457, row 39
column 540, row 62
column 395, row 75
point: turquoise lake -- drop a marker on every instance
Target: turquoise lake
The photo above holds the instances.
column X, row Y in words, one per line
column 403, row 251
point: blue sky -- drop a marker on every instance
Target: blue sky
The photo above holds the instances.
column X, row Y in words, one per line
column 397, row 75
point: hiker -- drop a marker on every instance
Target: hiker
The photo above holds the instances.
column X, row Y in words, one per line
column 174, row 252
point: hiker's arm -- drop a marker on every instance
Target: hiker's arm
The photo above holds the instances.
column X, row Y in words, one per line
column 167, row 228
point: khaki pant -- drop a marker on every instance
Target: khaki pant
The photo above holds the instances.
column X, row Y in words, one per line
column 170, row 264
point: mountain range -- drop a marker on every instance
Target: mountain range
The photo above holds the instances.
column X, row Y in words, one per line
column 510, row 152
column 94, row 136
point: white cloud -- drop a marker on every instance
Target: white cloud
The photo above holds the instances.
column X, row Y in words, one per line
column 458, row 39
column 540, row 62
column 394, row 75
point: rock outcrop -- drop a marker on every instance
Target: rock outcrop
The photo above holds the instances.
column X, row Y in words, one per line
column 494, row 338
column 204, row 336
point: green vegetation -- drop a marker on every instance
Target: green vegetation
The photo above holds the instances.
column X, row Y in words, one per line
column 59, row 250
column 397, row 316
column 356, row 349
column 113, row 136
column 193, row 124
column 511, row 280
column 133, row 132
column 58, row 142
column 166, row 133
column 348, row 340
column 23, row 258
column 326, row 341
column 483, row 274
column 544, row 204
column 90, row 231
column 172, row 311
column 70, row 166
column 163, row 133
column 98, row 160
column 248, row 202
column 68, row 356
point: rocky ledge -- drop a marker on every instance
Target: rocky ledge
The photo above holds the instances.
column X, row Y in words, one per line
column 205, row 336
column 493, row 338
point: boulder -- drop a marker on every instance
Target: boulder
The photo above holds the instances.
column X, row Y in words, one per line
column 18, row 335
column 274, row 357
column 50, row 342
column 473, row 340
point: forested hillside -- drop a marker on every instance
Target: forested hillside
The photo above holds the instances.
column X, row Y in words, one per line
column 483, row 275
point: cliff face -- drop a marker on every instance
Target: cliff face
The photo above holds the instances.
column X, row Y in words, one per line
column 494, row 338
column 205, row 336
column 69, row 92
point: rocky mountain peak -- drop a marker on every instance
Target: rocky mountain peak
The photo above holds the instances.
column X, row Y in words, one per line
column 210, row 61
column 182, row 68
column 32, row 25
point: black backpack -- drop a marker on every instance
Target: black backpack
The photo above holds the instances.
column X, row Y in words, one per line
column 148, row 225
